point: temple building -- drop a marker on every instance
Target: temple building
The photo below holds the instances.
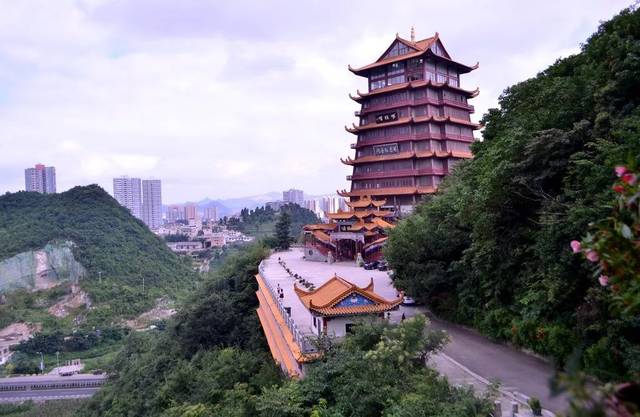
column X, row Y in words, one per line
column 300, row 301
column 359, row 231
column 414, row 123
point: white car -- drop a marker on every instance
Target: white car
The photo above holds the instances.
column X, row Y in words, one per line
column 408, row 301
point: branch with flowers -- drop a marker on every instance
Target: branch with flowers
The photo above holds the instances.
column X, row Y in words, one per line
column 613, row 244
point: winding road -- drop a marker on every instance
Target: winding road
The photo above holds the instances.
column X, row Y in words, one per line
column 515, row 370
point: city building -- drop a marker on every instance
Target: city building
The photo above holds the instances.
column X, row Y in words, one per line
column 41, row 179
column 414, row 122
column 293, row 196
column 217, row 240
column 152, row 203
column 175, row 213
column 191, row 212
column 128, row 192
column 359, row 231
column 210, row 214
column 185, row 247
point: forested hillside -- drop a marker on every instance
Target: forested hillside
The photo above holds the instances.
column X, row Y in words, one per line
column 117, row 250
column 213, row 361
column 491, row 249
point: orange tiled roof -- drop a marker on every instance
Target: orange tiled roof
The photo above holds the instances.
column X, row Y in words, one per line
column 360, row 214
column 375, row 242
column 359, row 225
column 278, row 332
column 320, row 235
column 382, row 223
column 366, row 201
column 420, row 48
column 324, row 299
column 320, row 226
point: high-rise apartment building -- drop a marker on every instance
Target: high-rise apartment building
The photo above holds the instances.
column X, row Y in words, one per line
column 191, row 212
column 127, row 191
column 41, row 179
column 293, row 196
column 175, row 213
column 152, row 203
column 210, row 214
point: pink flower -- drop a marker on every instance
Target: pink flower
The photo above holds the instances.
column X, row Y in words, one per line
column 604, row 280
column 620, row 170
column 576, row 246
column 592, row 256
column 630, row 178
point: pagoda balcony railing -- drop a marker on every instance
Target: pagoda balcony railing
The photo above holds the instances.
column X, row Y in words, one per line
column 303, row 339
column 415, row 102
column 356, row 113
column 353, row 146
column 412, row 137
column 398, row 173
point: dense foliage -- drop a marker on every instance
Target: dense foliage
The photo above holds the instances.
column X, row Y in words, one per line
column 491, row 249
column 213, row 361
column 57, row 408
column 613, row 245
column 282, row 235
column 261, row 221
column 117, row 249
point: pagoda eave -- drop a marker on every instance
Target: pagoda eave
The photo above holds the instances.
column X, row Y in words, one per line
column 364, row 71
column 387, row 191
column 413, row 84
column 412, row 120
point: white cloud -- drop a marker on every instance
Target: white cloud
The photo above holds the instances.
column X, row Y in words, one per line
column 227, row 108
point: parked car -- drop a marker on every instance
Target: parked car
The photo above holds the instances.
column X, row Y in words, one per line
column 371, row 265
column 408, row 301
column 383, row 266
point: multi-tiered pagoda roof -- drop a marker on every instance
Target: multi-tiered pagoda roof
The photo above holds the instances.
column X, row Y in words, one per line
column 414, row 122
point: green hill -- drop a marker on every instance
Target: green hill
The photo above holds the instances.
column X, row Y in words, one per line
column 491, row 249
column 117, row 250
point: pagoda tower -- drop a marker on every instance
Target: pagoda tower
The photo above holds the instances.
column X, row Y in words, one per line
column 414, row 123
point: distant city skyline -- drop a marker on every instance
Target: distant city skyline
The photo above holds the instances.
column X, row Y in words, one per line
column 243, row 98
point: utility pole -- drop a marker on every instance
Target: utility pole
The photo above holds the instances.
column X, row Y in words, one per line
column 143, row 285
column 57, row 359
column 100, row 276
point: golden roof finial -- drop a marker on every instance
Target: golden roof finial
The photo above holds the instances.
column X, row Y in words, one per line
column 413, row 34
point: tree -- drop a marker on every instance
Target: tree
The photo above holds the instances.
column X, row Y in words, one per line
column 283, row 229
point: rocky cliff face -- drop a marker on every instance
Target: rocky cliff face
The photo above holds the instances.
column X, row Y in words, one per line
column 40, row 269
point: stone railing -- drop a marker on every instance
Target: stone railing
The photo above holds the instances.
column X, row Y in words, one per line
column 303, row 339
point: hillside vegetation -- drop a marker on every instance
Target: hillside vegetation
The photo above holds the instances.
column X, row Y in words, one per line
column 491, row 249
column 117, row 250
column 213, row 361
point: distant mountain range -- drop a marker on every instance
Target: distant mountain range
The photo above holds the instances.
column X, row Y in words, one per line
column 231, row 206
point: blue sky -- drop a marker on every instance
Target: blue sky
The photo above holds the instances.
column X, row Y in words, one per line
column 225, row 99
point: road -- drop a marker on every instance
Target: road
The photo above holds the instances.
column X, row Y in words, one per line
column 516, row 371
column 49, row 387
